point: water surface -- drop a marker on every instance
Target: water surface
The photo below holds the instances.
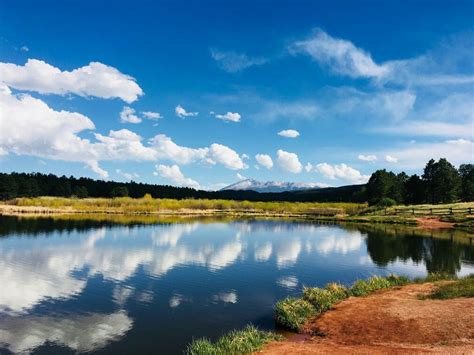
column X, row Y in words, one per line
column 69, row 286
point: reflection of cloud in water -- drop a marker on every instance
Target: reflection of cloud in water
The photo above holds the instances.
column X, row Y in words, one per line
column 340, row 243
column 263, row 252
column 226, row 297
column 121, row 294
column 289, row 282
column 43, row 267
column 82, row 333
column 287, row 252
column 176, row 300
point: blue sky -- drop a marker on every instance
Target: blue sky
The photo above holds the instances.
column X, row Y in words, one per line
column 196, row 93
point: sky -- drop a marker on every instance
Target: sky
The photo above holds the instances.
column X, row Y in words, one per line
column 205, row 93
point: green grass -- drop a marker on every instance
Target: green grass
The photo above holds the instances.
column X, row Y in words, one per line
column 463, row 287
column 292, row 313
column 245, row 341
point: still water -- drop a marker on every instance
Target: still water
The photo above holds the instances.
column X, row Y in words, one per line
column 72, row 286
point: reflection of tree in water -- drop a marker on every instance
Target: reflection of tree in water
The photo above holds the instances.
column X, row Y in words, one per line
column 439, row 255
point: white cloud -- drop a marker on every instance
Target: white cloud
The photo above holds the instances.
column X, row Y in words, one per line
column 56, row 136
column 264, row 160
column 416, row 155
column 226, row 156
column 127, row 176
column 95, row 79
column 289, row 133
column 233, row 62
column 181, row 112
column 167, row 149
column 341, row 56
column 229, row 116
column 342, row 171
column 152, row 115
column 390, row 159
column 370, row 158
column 289, row 161
column 308, row 167
column 240, row 176
column 430, row 129
column 55, row 132
column 174, row 174
column 127, row 115
column 24, row 49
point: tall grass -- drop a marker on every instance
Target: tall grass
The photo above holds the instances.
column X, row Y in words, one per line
column 245, row 341
column 151, row 205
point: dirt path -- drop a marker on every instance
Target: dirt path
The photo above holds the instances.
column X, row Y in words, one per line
column 393, row 321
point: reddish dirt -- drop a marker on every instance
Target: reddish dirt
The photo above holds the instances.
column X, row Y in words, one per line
column 394, row 321
column 433, row 223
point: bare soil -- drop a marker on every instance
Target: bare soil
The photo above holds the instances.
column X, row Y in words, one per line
column 393, row 321
column 433, row 223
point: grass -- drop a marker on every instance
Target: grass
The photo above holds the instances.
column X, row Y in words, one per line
column 154, row 205
column 292, row 313
column 463, row 287
column 245, row 341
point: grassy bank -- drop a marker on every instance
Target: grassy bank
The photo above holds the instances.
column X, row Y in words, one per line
column 292, row 313
column 245, row 341
column 152, row 205
column 320, row 211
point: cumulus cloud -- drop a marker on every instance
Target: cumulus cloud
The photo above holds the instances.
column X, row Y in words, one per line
column 127, row 115
column 264, row 160
column 229, row 116
column 289, row 161
column 339, row 55
column 95, row 79
column 289, row 133
column 370, row 158
column 390, row 159
column 233, row 62
column 181, row 112
column 152, row 115
column 174, row 174
column 226, row 156
column 343, row 172
column 56, row 136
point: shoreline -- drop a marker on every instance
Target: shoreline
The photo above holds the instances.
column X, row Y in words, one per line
column 425, row 222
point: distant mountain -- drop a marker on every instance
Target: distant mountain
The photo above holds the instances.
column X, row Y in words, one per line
column 270, row 186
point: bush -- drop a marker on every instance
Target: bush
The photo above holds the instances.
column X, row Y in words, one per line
column 292, row 313
column 245, row 341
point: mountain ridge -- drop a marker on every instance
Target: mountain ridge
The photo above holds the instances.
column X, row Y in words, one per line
column 270, row 186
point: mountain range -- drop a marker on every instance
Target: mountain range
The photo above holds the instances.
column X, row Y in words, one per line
column 270, row 186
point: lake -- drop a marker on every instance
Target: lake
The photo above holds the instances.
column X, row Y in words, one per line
column 80, row 285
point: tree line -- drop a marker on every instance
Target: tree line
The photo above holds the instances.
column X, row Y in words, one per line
column 441, row 182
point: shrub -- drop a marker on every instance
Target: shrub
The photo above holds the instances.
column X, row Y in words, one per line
column 397, row 280
column 292, row 313
column 245, row 341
